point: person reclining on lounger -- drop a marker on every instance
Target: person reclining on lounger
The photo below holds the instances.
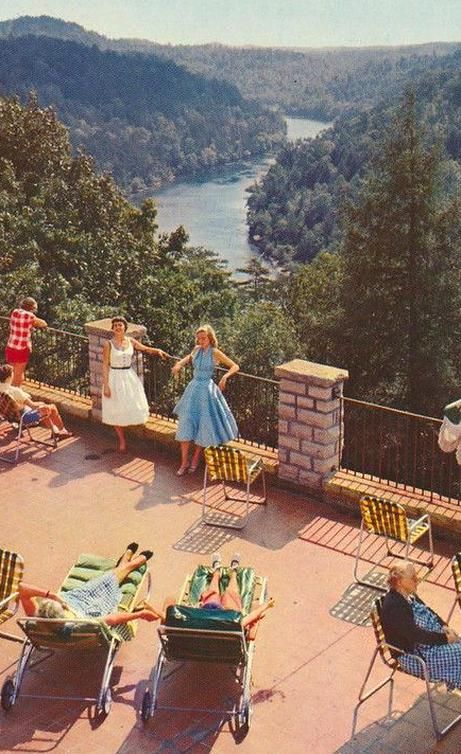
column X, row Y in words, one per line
column 97, row 598
column 212, row 599
column 35, row 411
column 410, row 625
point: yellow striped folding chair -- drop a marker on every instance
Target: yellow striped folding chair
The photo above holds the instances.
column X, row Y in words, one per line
column 229, row 465
column 456, row 571
column 11, row 573
column 388, row 519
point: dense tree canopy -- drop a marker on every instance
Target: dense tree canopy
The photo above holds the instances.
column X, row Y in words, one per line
column 144, row 119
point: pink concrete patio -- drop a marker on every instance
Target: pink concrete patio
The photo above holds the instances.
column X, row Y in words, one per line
column 310, row 657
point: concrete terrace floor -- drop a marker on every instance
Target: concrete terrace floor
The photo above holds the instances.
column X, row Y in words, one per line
column 311, row 651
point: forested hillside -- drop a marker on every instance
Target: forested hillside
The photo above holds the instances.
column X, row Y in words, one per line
column 320, row 83
column 144, row 119
column 293, row 212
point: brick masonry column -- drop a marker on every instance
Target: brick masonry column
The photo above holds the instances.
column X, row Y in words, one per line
column 98, row 332
column 309, row 422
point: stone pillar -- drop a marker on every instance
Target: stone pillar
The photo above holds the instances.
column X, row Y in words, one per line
column 310, row 429
column 98, row 332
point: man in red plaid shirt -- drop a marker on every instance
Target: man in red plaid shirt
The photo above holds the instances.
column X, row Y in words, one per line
column 19, row 345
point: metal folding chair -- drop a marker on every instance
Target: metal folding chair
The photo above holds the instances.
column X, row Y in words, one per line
column 456, row 571
column 388, row 519
column 229, row 465
column 45, row 636
column 22, row 423
column 389, row 655
column 11, row 573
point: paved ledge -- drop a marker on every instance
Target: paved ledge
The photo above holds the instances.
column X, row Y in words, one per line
column 158, row 430
column 344, row 490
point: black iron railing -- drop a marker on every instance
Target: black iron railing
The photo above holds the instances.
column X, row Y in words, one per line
column 398, row 448
column 59, row 359
column 253, row 400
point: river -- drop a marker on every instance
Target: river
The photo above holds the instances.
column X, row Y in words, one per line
column 213, row 208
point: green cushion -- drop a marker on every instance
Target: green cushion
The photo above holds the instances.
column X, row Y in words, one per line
column 246, row 578
column 90, row 566
column 183, row 616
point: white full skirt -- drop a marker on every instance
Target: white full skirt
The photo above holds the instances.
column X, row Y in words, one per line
column 127, row 403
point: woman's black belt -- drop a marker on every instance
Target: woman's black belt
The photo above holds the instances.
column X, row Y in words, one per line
column 129, row 367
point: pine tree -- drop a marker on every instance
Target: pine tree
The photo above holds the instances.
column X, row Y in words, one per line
column 401, row 271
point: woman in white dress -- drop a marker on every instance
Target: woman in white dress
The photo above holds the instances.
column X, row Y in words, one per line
column 124, row 401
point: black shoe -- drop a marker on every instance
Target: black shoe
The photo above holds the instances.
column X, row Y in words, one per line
column 147, row 554
column 132, row 547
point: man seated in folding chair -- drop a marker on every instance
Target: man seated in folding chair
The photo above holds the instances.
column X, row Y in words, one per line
column 97, row 598
column 411, row 626
column 15, row 404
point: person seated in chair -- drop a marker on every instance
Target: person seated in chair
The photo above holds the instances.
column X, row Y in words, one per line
column 97, row 598
column 34, row 411
column 410, row 625
column 212, row 599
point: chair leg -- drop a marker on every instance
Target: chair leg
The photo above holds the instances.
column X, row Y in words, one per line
column 364, row 696
column 358, row 579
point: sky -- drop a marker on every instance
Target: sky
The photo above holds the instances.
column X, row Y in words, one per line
column 268, row 23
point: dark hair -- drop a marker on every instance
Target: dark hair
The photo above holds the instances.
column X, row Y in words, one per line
column 29, row 304
column 6, row 370
column 119, row 319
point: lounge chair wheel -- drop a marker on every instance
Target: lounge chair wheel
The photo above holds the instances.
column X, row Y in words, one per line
column 7, row 697
column 107, row 702
column 146, row 707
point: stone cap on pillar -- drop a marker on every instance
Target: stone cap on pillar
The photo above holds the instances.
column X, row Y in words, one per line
column 103, row 327
column 322, row 375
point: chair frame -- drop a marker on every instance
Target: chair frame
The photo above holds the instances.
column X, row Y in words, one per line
column 456, row 571
column 253, row 465
column 384, row 650
column 19, row 439
column 412, row 524
column 12, row 597
column 244, row 648
column 98, row 634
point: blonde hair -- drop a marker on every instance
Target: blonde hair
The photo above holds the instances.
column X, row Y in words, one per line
column 50, row 609
column 208, row 330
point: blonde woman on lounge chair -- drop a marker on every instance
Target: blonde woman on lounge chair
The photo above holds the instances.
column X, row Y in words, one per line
column 98, row 598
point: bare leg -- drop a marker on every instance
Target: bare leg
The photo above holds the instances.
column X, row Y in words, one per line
column 212, row 594
column 185, row 444
column 196, row 457
column 51, row 417
column 18, row 373
column 121, row 438
column 231, row 598
column 126, row 566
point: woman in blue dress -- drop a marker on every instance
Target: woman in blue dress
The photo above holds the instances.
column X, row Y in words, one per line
column 203, row 414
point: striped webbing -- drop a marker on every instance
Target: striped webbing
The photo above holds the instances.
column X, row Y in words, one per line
column 384, row 517
column 11, row 571
column 9, row 408
column 456, row 568
column 226, row 464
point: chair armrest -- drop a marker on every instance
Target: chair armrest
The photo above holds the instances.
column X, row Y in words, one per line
column 417, row 522
column 6, row 600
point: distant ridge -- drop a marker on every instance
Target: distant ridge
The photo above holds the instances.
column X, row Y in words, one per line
column 296, row 80
column 143, row 118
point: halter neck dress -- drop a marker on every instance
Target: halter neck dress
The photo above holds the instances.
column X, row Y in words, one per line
column 127, row 403
column 203, row 413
